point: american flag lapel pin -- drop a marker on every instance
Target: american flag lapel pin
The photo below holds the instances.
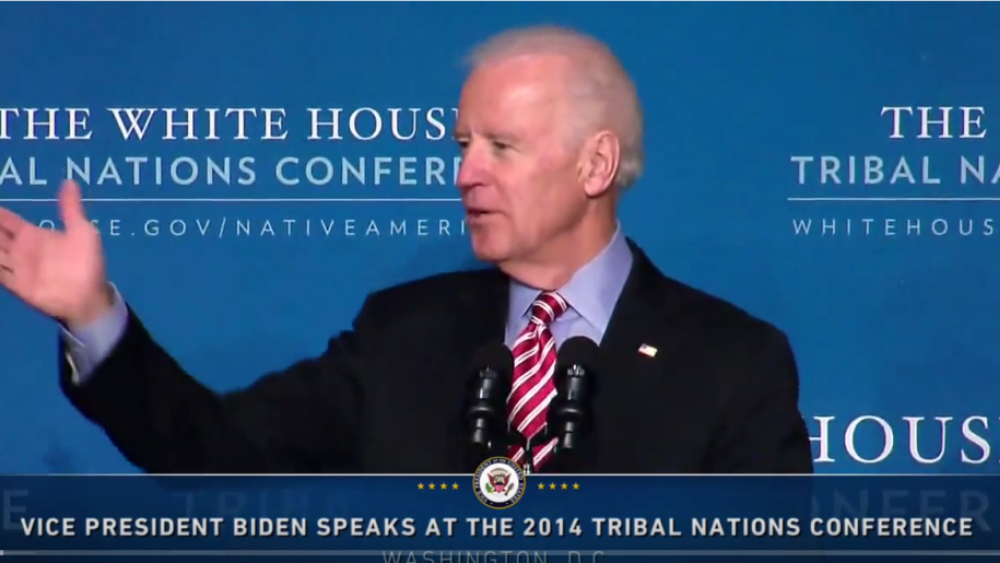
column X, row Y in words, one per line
column 647, row 350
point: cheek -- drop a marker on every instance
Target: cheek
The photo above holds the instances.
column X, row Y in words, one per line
column 537, row 202
column 526, row 203
column 537, row 213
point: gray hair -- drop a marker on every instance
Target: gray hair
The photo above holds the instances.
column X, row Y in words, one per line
column 601, row 82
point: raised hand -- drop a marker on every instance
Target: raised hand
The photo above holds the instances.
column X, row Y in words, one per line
column 59, row 273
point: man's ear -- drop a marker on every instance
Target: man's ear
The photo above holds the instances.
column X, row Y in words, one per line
column 598, row 165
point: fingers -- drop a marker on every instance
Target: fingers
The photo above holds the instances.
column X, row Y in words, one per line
column 6, row 269
column 71, row 204
column 10, row 222
column 10, row 225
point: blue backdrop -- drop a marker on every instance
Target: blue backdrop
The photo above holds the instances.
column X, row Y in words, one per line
column 889, row 297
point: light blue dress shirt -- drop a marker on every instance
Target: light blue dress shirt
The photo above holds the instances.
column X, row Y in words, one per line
column 591, row 294
column 87, row 346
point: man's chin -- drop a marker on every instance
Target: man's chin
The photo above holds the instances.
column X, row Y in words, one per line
column 487, row 252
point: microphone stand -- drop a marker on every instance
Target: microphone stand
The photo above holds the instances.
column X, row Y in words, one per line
column 565, row 460
column 529, row 457
column 515, row 438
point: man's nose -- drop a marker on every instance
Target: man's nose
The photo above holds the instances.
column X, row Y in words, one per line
column 469, row 172
column 474, row 169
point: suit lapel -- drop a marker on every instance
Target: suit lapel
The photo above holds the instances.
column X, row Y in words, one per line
column 641, row 337
column 634, row 384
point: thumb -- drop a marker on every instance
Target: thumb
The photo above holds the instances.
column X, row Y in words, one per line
column 71, row 205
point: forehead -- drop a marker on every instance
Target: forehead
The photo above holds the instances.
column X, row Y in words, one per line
column 523, row 92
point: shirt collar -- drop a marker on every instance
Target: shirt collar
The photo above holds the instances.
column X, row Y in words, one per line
column 592, row 291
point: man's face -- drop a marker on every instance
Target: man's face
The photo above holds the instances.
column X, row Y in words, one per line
column 518, row 178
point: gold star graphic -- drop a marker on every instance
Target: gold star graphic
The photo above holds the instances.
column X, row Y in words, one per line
column 444, row 486
column 541, row 486
column 565, row 486
column 552, row 486
column 454, row 486
column 576, row 486
column 431, row 486
column 420, row 486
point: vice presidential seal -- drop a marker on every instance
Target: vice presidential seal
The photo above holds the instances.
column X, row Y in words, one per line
column 499, row 483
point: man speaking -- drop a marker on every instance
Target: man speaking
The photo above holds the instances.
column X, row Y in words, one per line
column 550, row 131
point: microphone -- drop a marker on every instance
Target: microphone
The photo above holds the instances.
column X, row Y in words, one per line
column 486, row 408
column 570, row 414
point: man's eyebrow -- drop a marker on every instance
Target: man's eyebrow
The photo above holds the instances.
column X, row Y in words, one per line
column 505, row 137
column 492, row 136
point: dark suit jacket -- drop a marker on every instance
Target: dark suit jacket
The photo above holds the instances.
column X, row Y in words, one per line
column 720, row 396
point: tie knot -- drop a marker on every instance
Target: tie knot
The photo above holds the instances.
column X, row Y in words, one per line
column 547, row 308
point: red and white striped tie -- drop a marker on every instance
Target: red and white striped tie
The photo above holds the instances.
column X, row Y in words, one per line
column 533, row 389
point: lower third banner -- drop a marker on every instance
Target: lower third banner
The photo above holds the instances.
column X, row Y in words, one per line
column 500, row 514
